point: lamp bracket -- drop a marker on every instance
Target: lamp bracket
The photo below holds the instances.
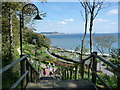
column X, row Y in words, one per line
column 30, row 9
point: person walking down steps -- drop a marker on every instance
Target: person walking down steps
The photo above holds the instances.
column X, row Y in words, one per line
column 44, row 71
column 51, row 71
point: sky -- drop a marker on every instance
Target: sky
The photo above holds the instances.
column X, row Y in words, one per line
column 65, row 17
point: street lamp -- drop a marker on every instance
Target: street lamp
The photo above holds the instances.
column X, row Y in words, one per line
column 29, row 10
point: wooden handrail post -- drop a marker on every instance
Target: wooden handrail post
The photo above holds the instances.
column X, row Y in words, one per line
column 31, row 74
column 82, row 69
column 94, row 67
column 22, row 71
column 67, row 74
column 27, row 68
column 35, row 77
column 71, row 73
column 62, row 73
column 118, row 79
column 76, row 72
column 60, row 70
column 88, row 70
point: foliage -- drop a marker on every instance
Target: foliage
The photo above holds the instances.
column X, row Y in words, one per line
column 10, row 39
column 77, row 49
column 10, row 24
column 85, row 50
column 102, row 43
column 110, row 80
column 115, row 53
column 115, row 61
column 64, row 54
column 41, row 40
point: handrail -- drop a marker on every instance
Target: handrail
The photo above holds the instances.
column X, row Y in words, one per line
column 19, row 80
column 108, row 63
column 11, row 64
column 94, row 69
column 33, row 68
column 100, row 79
column 87, row 58
column 24, row 71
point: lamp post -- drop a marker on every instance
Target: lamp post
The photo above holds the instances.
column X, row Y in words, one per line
column 29, row 10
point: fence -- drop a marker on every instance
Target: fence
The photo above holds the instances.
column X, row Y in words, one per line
column 116, row 69
column 27, row 71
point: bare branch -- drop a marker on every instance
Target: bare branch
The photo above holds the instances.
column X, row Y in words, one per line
column 88, row 5
column 82, row 16
column 82, row 4
column 93, row 7
column 109, row 4
column 99, row 8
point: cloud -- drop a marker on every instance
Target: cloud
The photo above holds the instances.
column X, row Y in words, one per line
column 62, row 22
column 114, row 22
column 66, row 21
column 111, row 12
column 69, row 20
column 100, row 20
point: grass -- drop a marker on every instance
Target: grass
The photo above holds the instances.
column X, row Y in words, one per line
column 110, row 80
column 13, row 74
column 64, row 53
column 41, row 55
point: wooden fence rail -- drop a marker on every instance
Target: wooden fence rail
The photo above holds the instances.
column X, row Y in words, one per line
column 28, row 72
column 93, row 68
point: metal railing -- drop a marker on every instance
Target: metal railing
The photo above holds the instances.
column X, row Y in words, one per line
column 27, row 71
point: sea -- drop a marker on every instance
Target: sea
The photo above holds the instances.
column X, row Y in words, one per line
column 71, row 41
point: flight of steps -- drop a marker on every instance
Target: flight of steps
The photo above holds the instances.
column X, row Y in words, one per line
column 54, row 83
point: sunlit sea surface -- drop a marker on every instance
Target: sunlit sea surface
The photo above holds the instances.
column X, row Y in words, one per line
column 71, row 41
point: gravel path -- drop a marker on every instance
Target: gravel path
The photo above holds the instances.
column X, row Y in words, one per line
column 102, row 68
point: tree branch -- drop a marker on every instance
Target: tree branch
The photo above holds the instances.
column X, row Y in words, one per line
column 82, row 4
column 82, row 16
column 99, row 8
column 88, row 5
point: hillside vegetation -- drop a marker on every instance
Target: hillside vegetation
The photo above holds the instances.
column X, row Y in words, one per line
column 11, row 39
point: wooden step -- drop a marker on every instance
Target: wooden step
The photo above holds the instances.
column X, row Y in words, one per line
column 81, row 84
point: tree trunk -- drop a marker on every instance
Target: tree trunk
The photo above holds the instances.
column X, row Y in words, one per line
column 91, row 49
column 91, row 25
column 82, row 45
column 11, row 33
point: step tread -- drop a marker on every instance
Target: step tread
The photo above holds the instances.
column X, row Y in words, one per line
column 83, row 83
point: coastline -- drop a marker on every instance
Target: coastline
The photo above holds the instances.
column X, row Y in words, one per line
column 73, row 51
column 53, row 34
column 71, row 41
column 79, row 33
